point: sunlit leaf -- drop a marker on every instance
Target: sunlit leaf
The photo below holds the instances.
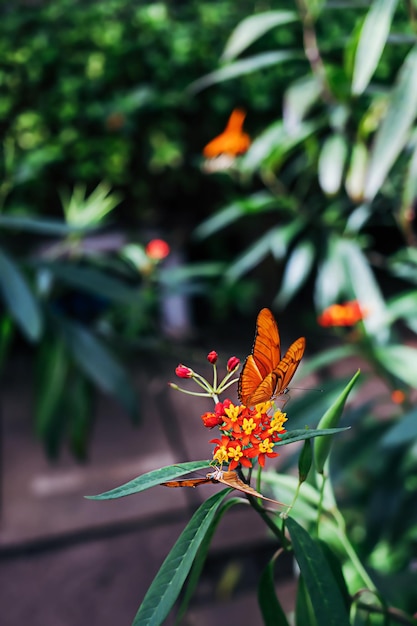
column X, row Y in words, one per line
column 356, row 175
column 253, row 27
column 403, row 432
column 400, row 361
column 241, row 68
column 393, row 132
column 257, row 202
column 330, row 420
column 19, row 298
column 372, row 40
column 331, row 278
column 325, row 596
column 168, row 582
column 297, row 269
column 332, row 163
column 299, row 97
column 364, row 288
column 273, row 144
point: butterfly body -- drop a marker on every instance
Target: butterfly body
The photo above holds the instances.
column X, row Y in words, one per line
column 264, row 374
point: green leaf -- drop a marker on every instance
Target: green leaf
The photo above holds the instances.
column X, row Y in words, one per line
column 296, row 272
column 299, row 97
column 364, row 288
column 78, row 406
column 356, row 175
column 52, row 369
column 400, row 361
column 273, row 145
column 39, row 225
column 251, row 257
column 253, row 27
column 168, row 582
column 332, row 163
column 91, row 280
column 200, row 558
column 403, row 432
column 19, row 298
column 86, row 211
column 98, row 363
column 325, row 596
column 331, row 276
column 304, row 613
column 242, row 67
column 256, row 203
column 393, row 132
column 151, row 479
column 329, row 420
column 272, row 612
column 302, row 434
column 372, row 40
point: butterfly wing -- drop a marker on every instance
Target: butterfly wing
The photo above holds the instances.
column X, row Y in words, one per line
column 287, row 367
column 255, row 381
column 231, row 479
column 187, row 482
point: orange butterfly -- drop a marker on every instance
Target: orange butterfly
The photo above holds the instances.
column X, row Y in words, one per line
column 231, row 479
column 232, row 141
column 264, row 374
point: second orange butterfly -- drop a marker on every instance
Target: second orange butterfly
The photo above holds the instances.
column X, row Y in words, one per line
column 264, row 374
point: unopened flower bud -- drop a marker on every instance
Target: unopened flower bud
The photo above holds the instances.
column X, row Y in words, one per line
column 210, row 420
column 212, row 357
column 233, row 363
column 183, row 372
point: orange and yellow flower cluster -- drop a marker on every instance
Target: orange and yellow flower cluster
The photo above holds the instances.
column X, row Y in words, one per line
column 247, row 434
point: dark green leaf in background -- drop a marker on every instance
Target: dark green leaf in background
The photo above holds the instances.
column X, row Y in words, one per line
column 325, row 596
column 168, row 582
column 19, row 298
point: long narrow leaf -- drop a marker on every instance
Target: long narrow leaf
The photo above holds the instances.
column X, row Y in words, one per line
column 325, row 596
column 242, row 67
column 330, row 420
column 297, row 270
column 301, row 435
column 150, row 479
column 253, row 27
column 19, row 298
column 400, row 361
column 201, row 556
column 168, row 582
column 393, row 132
column 272, row 612
column 372, row 40
column 98, row 363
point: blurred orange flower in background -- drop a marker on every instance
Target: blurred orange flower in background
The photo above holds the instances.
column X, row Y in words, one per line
column 346, row 314
column 232, row 141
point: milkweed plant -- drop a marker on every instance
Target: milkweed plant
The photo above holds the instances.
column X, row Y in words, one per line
column 333, row 587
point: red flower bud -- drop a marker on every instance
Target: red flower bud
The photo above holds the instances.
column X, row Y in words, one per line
column 233, row 363
column 212, row 357
column 157, row 249
column 210, row 420
column 183, row 372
